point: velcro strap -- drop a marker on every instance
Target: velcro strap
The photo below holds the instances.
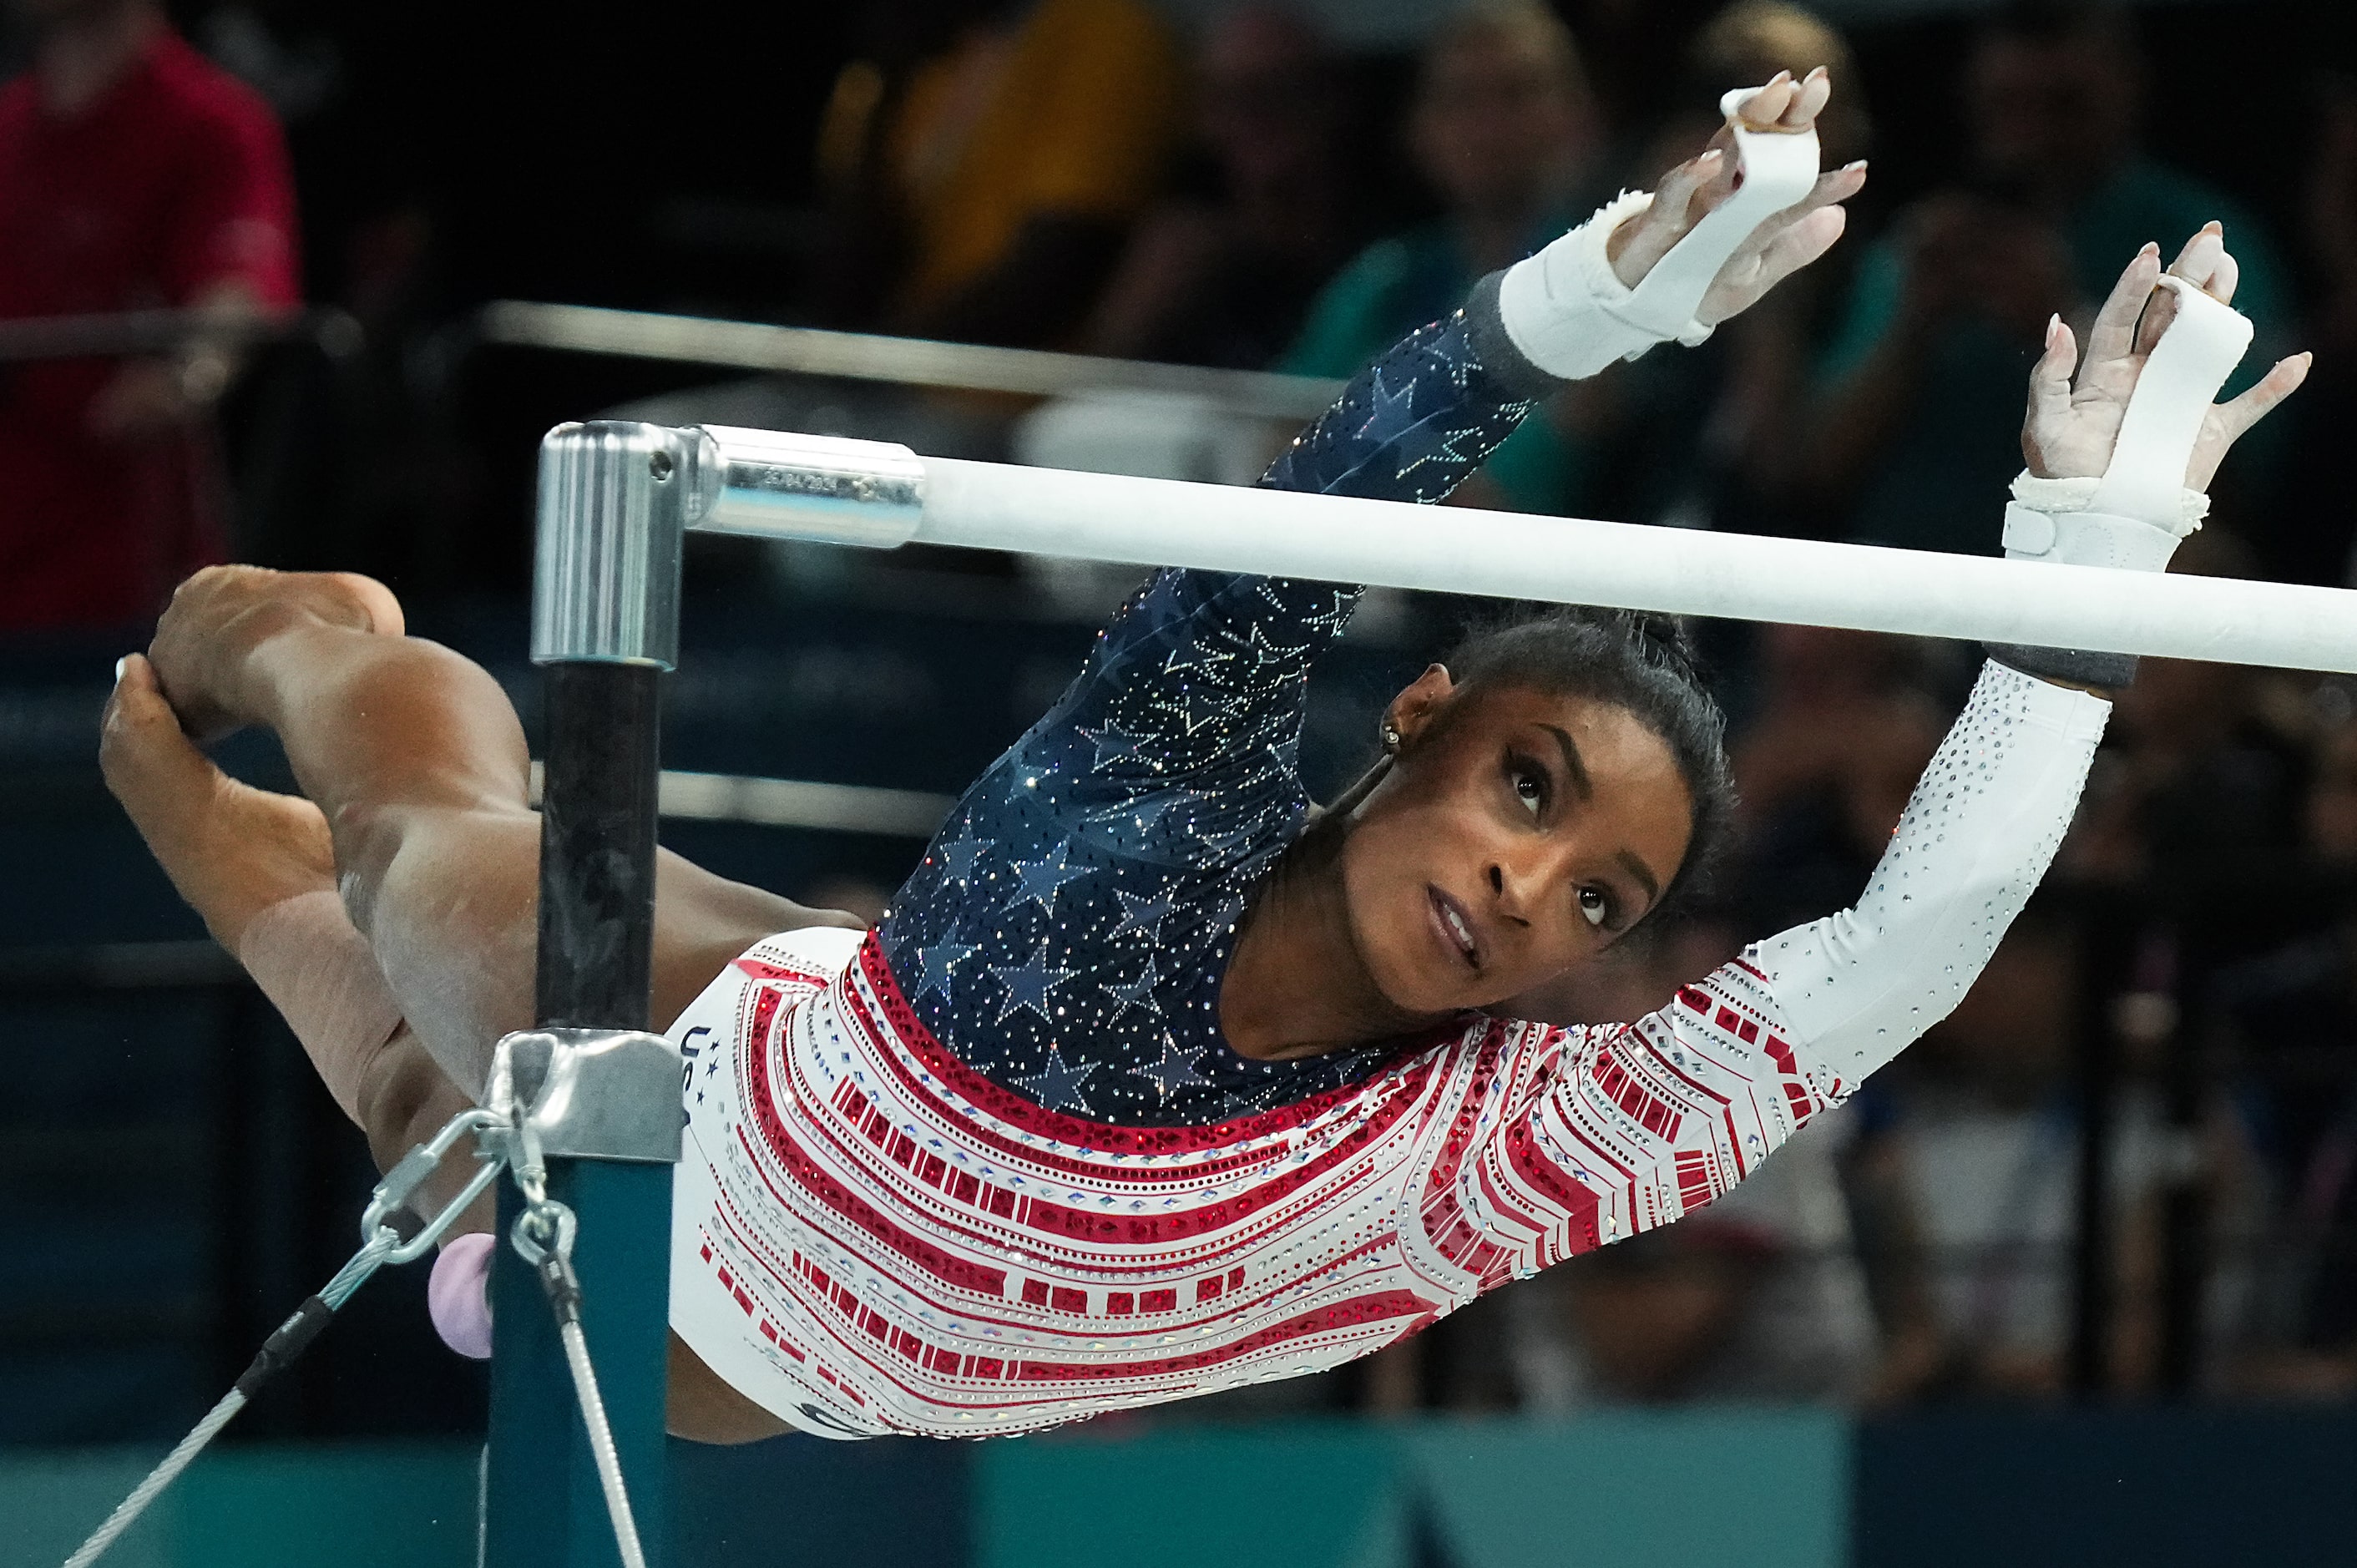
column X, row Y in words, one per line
column 2088, row 539
column 2180, row 382
column 1779, row 168
column 1558, row 306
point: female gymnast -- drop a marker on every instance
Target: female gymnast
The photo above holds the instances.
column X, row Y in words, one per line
column 1157, row 1079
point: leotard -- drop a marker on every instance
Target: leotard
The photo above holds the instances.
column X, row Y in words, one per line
column 992, row 1166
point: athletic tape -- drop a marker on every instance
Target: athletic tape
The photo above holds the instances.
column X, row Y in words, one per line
column 1779, row 167
column 2181, row 380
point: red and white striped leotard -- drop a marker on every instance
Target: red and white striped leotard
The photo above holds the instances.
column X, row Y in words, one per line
column 871, row 1238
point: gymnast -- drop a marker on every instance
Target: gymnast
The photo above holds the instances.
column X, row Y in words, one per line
column 1157, row 1079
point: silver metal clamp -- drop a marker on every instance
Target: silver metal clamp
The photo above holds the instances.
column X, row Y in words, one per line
column 590, row 1094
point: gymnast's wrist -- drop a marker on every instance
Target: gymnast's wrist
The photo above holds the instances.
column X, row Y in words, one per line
column 1565, row 310
column 2055, row 521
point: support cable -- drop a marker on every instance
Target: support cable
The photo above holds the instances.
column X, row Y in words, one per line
column 383, row 1239
column 543, row 1237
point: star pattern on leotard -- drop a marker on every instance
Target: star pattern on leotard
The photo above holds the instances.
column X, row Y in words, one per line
column 958, row 857
column 1029, row 983
column 1390, row 410
column 1038, row 879
column 1068, row 931
column 1138, row 991
column 1145, row 915
column 1173, row 1070
column 1112, row 743
column 1057, row 1084
column 935, row 962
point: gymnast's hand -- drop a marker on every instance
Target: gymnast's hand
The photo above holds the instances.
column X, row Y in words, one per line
column 222, row 615
column 1778, row 247
column 2071, row 428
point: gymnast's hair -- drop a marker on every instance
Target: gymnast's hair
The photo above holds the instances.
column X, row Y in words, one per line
column 1644, row 663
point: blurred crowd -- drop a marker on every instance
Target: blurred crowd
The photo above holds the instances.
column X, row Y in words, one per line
column 2127, row 1163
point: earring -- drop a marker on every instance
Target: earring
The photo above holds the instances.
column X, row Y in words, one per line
column 1391, row 736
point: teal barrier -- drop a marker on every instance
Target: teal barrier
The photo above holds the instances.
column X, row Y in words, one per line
column 1623, row 1491
column 329, row 1506
column 1959, row 1488
column 1633, row 1490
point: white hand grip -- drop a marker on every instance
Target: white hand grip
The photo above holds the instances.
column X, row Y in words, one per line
column 2179, row 382
column 1779, row 168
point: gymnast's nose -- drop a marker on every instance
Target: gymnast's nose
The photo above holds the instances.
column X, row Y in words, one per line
column 1511, row 893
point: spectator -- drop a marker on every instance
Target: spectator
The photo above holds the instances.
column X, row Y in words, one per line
column 2308, row 537
column 1842, row 731
column 1506, row 130
column 1978, row 1147
column 1707, row 438
column 1919, row 404
column 132, row 173
column 1224, row 276
column 2286, row 1019
column 1009, row 162
column 2192, row 784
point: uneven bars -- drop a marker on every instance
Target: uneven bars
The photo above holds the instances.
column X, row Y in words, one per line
column 907, row 361
column 784, row 486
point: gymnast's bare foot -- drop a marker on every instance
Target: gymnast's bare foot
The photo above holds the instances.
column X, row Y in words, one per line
column 221, row 616
column 232, row 850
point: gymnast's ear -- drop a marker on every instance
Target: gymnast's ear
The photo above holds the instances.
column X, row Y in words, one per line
column 1420, row 702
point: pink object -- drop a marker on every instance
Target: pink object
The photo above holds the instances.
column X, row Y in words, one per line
column 459, row 1294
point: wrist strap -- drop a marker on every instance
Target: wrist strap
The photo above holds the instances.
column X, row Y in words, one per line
column 2073, row 666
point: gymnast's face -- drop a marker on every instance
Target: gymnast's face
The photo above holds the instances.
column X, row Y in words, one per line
column 1516, row 834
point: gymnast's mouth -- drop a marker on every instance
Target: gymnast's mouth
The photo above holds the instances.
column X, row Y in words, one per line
column 1454, row 926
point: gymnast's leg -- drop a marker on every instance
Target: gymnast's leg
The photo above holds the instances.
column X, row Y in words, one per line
column 416, row 762
column 259, row 868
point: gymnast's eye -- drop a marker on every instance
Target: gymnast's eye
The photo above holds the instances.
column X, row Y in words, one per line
column 1530, row 783
column 1594, row 906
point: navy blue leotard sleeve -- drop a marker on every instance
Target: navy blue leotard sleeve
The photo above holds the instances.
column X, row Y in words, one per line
column 1067, row 932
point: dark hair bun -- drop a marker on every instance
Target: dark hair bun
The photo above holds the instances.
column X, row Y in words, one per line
column 1667, row 636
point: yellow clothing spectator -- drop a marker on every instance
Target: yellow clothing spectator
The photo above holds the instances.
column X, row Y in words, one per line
column 1069, row 115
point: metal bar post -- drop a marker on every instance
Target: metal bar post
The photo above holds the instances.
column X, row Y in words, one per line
column 613, row 503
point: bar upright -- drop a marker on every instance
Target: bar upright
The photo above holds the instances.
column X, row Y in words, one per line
column 614, row 498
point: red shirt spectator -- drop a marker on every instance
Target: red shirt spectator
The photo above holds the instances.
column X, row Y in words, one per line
column 167, row 185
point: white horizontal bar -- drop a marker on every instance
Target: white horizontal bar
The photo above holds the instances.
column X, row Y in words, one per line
column 908, row 361
column 125, row 332
column 793, row 803
column 1107, row 517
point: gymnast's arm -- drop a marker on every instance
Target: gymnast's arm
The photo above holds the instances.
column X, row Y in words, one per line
column 1413, row 425
column 1601, row 1132
column 1604, row 1132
